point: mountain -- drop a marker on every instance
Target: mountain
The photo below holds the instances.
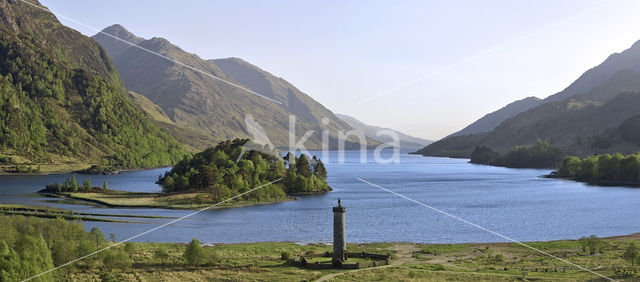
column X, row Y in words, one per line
column 195, row 100
column 585, row 118
column 627, row 60
column 491, row 120
column 193, row 139
column 62, row 100
column 406, row 141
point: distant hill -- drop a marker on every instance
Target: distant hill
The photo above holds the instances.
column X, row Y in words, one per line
column 406, row 141
column 585, row 118
column 193, row 100
column 63, row 102
column 491, row 120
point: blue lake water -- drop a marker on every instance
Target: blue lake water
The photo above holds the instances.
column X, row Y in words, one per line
column 514, row 202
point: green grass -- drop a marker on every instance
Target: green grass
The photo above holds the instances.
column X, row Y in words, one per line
column 187, row 200
column 458, row 262
column 48, row 212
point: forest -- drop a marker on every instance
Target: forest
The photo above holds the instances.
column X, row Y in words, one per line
column 224, row 172
column 49, row 108
column 603, row 168
column 30, row 246
column 541, row 155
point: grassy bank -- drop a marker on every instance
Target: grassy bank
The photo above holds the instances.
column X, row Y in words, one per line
column 186, row 200
column 458, row 262
column 48, row 212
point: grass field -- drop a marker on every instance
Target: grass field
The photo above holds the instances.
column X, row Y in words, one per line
column 411, row 262
column 49, row 212
column 194, row 200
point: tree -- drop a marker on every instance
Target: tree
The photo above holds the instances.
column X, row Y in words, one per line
column 30, row 256
column 105, row 187
column 4, row 248
column 193, row 253
column 112, row 237
column 87, row 184
column 116, row 259
column 570, row 167
column 74, row 184
column 97, row 235
column 592, row 243
column 631, row 253
column 130, row 249
column 162, row 254
column 303, row 167
column 320, row 170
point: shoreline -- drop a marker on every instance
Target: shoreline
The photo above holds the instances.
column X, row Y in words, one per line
column 600, row 183
column 631, row 236
column 78, row 168
column 107, row 204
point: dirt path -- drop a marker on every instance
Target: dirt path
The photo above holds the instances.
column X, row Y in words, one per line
column 404, row 254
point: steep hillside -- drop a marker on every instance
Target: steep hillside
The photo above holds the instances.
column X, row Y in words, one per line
column 62, row 100
column 579, row 119
column 406, row 141
column 491, row 120
column 193, row 99
column 579, row 126
column 192, row 139
column 627, row 60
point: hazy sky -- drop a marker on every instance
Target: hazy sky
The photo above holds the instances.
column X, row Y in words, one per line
column 485, row 54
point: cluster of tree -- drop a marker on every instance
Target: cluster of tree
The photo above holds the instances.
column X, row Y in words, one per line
column 602, row 168
column 592, row 244
column 48, row 106
column 631, row 254
column 541, row 155
column 30, row 246
column 195, row 255
column 71, row 185
column 226, row 170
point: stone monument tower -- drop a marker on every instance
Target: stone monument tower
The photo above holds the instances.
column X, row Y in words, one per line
column 339, row 238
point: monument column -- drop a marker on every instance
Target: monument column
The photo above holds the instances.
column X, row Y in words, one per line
column 339, row 236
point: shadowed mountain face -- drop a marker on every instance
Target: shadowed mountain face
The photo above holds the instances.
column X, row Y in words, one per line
column 406, row 141
column 194, row 99
column 586, row 117
column 627, row 60
column 62, row 100
column 490, row 121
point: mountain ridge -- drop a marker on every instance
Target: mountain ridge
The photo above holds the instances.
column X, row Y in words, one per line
column 576, row 119
column 406, row 141
column 491, row 120
column 192, row 99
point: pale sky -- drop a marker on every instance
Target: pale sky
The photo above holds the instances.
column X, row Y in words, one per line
column 486, row 53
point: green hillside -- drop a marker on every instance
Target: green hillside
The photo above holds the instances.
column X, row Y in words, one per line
column 62, row 100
